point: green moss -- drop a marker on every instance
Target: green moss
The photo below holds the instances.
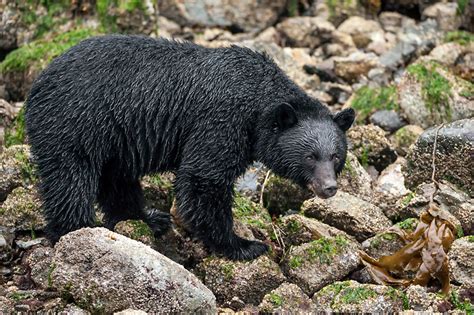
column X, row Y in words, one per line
column 435, row 89
column 139, row 229
column 324, row 249
column 460, row 37
column 406, row 200
column 459, row 231
column 334, row 288
column 292, row 8
column 251, row 213
column 108, row 20
column 20, row 296
column 16, row 133
column 333, row 6
column 462, row 4
column 228, row 270
column 470, row 238
column 43, row 23
column 276, row 299
column 295, row 262
column 293, row 226
column 375, row 242
column 50, row 275
column 404, row 137
column 364, row 157
column 349, row 168
column 388, row 236
column 28, row 170
column 368, row 100
column 408, row 224
column 356, row 295
column 464, row 305
column 39, row 53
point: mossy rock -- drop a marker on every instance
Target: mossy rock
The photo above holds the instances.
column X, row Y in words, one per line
column 253, row 216
column 405, row 137
column 136, row 230
column 353, row 297
column 22, row 210
column 288, row 298
column 158, row 191
column 367, row 100
column 281, row 195
column 430, row 94
column 354, row 179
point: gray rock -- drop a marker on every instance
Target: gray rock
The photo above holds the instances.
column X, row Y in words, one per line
column 445, row 14
column 248, row 281
column 391, row 21
column 354, row 179
column 243, row 15
column 429, row 95
column 27, row 244
column 288, row 298
column 348, row 213
column 15, row 169
column 454, row 153
column 419, row 299
column 282, row 195
column 353, row 297
column 355, row 66
column 448, row 53
column 141, row 279
column 388, row 120
column 313, row 265
column 405, row 137
column 39, row 260
column 7, row 236
column 22, row 210
column 461, row 260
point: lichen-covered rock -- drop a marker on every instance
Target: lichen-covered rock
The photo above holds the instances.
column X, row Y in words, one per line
column 461, row 260
column 354, row 179
column 419, row 299
column 288, row 298
column 386, row 243
column 448, row 53
column 22, row 210
column 141, row 279
column 353, row 297
column 136, row 230
column 39, row 260
column 405, row 137
column 248, row 281
column 15, row 169
column 348, row 213
column 305, row 31
column 245, row 15
column 252, row 216
column 313, row 265
column 455, row 145
column 371, row 146
column 297, row 229
column 446, row 15
column 281, row 195
column 429, row 95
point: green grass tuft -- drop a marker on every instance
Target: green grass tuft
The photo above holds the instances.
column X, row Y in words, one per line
column 368, row 100
column 16, row 134
column 276, row 299
column 460, row 37
column 355, row 295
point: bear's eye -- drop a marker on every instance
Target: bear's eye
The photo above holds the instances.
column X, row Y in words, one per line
column 310, row 158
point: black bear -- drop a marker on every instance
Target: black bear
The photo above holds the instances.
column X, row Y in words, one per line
column 114, row 108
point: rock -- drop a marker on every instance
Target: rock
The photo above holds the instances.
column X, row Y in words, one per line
column 447, row 53
column 419, row 299
column 371, row 146
column 335, row 11
column 27, row 244
column 250, row 184
column 388, row 120
column 353, row 297
column 22, row 210
column 297, row 229
column 239, row 15
column 391, row 21
column 348, row 213
column 340, row 92
column 391, row 181
column 142, row 278
column 15, row 169
column 167, row 28
column 354, row 66
column 136, row 230
column 429, row 94
column 405, row 137
column 445, row 14
column 288, row 298
column 131, row 312
column 282, row 195
column 362, row 31
column 455, row 143
column 354, row 179
column 248, row 281
column 461, row 260
column 39, row 261
column 386, row 243
column 253, row 217
column 305, row 31
column 6, row 243
column 313, row 265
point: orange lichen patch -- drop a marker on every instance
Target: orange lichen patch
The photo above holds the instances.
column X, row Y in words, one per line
column 422, row 258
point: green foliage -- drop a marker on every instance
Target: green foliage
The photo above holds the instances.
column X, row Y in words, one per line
column 408, row 224
column 406, row 200
column 40, row 52
column 228, row 271
column 355, row 295
column 20, row 296
column 43, row 23
column 470, row 238
column 250, row 213
column 364, row 157
column 16, row 133
column 28, row 170
column 368, row 100
column 295, row 262
column 292, row 7
column 436, row 89
column 324, row 249
column 139, row 229
column 108, row 20
column 462, row 4
column 276, row 299
column 293, row 226
column 460, row 37
column 464, row 305
column 459, row 231
column 50, row 275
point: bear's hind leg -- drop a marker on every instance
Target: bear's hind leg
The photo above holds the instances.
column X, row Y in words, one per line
column 122, row 199
column 68, row 192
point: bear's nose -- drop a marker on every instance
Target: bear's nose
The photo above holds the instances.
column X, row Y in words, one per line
column 330, row 191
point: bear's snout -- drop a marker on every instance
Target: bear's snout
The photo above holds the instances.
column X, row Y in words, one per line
column 324, row 183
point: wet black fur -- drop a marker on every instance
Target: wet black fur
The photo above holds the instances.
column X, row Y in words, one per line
column 114, row 108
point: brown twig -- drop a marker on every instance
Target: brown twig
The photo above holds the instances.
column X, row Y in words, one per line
column 267, row 176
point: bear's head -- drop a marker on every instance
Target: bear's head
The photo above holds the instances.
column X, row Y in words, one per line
column 306, row 147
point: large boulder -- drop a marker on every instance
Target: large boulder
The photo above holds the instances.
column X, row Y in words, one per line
column 305, row 31
column 348, row 213
column 141, row 279
column 455, row 146
column 245, row 15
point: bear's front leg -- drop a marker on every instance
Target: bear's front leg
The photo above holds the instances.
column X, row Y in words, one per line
column 205, row 208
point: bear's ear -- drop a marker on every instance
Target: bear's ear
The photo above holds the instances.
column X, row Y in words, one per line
column 345, row 118
column 285, row 116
